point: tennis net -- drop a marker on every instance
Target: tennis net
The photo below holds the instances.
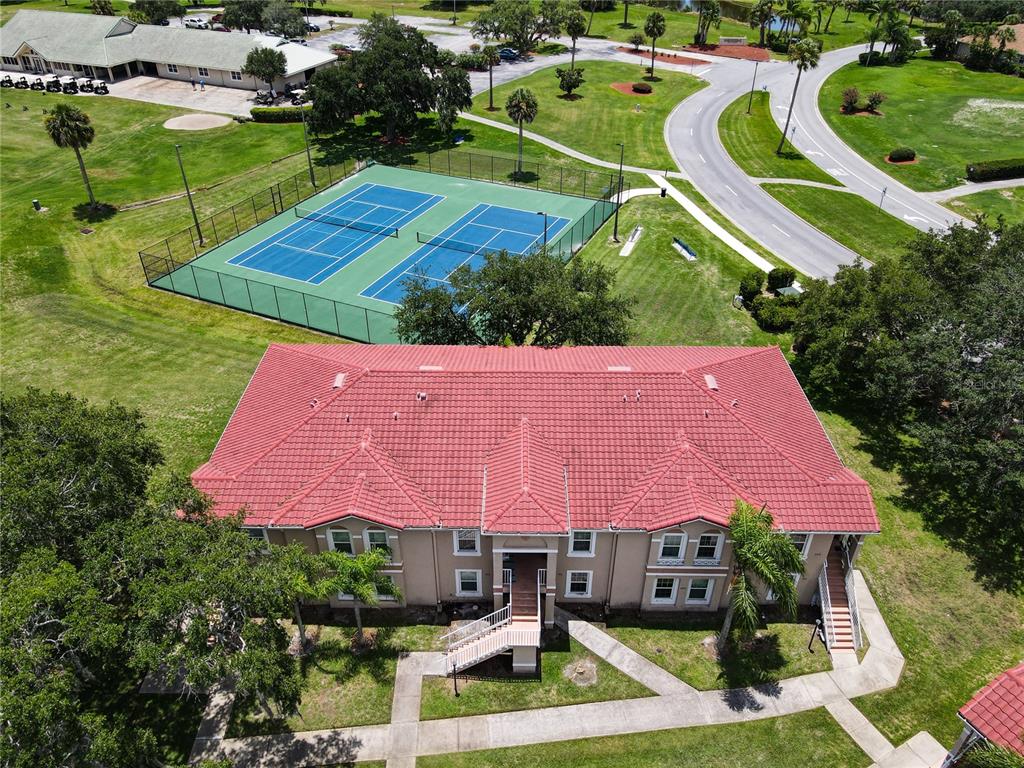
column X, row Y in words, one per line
column 341, row 221
column 453, row 244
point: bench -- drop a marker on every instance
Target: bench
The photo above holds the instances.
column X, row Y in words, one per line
column 684, row 250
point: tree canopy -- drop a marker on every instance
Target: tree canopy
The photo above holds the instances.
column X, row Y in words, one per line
column 243, row 14
column 266, row 64
column 533, row 299
column 933, row 344
column 282, row 19
column 398, row 74
column 521, row 24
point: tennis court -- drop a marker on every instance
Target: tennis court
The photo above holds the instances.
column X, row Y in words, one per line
column 340, row 260
column 323, row 240
column 485, row 229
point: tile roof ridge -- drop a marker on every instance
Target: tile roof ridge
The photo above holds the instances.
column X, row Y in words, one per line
column 720, row 401
column 372, row 447
column 318, row 480
column 659, row 467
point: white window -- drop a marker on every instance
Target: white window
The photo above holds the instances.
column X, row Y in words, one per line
column 771, row 597
column 386, row 598
column 340, row 541
column 236, row 75
column 467, row 583
column 664, row 591
column 203, row 72
column 800, row 541
column 376, row 539
column 673, row 548
column 10, row 60
column 577, row 583
column 709, row 549
column 582, row 544
column 172, row 68
column 467, row 541
column 699, row 592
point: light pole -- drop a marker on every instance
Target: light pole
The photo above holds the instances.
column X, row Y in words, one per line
column 753, row 82
column 618, row 197
column 455, row 13
column 545, row 215
column 305, row 138
column 188, row 193
column 882, row 200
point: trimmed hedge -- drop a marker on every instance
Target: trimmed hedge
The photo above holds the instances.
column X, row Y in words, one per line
column 751, row 285
column 642, row 88
column 278, row 114
column 902, row 155
column 775, row 314
column 781, row 277
column 992, row 170
column 874, row 59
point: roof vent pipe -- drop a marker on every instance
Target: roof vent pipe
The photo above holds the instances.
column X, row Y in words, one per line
column 735, row 403
column 395, row 416
column 421, row 396
column 638, row 395
column 625, row 398
column 314, row 403
column 706, row 414
column 348, row 418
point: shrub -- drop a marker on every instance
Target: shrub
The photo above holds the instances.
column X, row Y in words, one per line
column 569, row 79
column 474, row 47
column 642, row 88
column 875, row 99
column 473, row 61
column 781, row 277
column 750, row 285
column 636, row 40
column 851, row 96
column 775, row 314
column 902, row 155
column 872, row 59
column 991, row 170
column 278, row 114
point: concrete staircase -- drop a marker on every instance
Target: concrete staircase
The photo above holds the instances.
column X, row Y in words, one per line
column 517, row 632
column 842, row 624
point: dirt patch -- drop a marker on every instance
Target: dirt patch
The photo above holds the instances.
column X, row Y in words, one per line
column 197, row 122
column 667, row 58
column 901, row 162
column 862, row 113
column 748, row 52
column 710, row 647
column 583, row 672
column 627, row 88
column 996, row 113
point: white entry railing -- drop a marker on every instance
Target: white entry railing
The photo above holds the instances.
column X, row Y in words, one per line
column 851, row 599
column 473, row 630
column 826, row 606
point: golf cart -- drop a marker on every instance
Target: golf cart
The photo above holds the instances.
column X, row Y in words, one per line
column 99, row 88
column 52, row 83
column 6, row 82
column 84, row 84
column 264, row 98
column 21, row 83
column 37, row 84
column 68, row 84
column 298, row 97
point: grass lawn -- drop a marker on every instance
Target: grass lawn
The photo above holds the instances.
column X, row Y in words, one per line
column 751, row 141
column 807, row 739
column 601, row 117
column 8, row 9
column 955, row 636
column 678, row 301
column 342, row 688
column 506, row 694
column 950, row 115
column 1008, row 203
column 846, row 217
column 778, row 651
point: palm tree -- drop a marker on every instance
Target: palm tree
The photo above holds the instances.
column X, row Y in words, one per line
column 761, row 14
column 1004, row 35
column 880, row 10
column 763, row 554
column 805, row 55
column 575, row 27
column 491, row 56
column 521, row 107
column 69, row 126
column 832, row 6
column 359, row 576
column 654, row 27
column 819, row 12
column 913, row 8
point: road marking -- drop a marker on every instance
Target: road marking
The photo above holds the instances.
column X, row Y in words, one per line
column 914, row 218
column 816, row 154
column 691, row 131
column 837, row 171
column 703, row 72
column 702, row 158
column 699, row 110
column 731, row 189
column 783, row 107
column 782, row 231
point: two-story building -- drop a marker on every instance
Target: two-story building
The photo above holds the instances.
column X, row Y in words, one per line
column 523, row 478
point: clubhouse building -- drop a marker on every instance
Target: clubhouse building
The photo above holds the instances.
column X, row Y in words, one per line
column 114, row 48
column 515, row 480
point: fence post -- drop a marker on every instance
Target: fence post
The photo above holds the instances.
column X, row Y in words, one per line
column 255, row 216
column 470, row 164
column 213, row 224
column 277, row 303
column 235, row 218
column 220, row 284
column 366, row 319
column 430, row 165
column 337, row 319
column 248, row 293
column 560, row 170
column 305, row 310
column 585, row 173
column 449, row 162
column 195, row 252
column 492, row 169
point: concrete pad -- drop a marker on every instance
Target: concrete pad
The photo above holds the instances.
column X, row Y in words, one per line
column 175, row 93
column 196, row 122
column 405, row 709
column 794, row 697
column 903, row 757
column 406, row 761
column 882, row 665
column 858, row 682
column 927, row 748
column 438, row 737
column 860, row 729
column 821, row 688
column 309, row 748
column 404, row 738
column 473, row 733
column 844, row 659
column 736, row 705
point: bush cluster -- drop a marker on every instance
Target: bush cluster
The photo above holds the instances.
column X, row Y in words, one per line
column 751, row 285
column 902, row 154
column 872, row 59
column 311, row 11
column 781, row 277
column 991, row 170
column 636, row 40
column 851, row 97
column 475, row 62
column 875, row 99
column 642, row 88
column 775, row 314
column 278, row 114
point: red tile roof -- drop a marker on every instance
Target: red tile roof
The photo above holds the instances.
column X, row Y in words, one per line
column 997, row 710
column 529, row 440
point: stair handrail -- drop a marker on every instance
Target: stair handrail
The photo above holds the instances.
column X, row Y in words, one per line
column 542, row 583
column 474, row 629
column 851, row 598
column 826, row 606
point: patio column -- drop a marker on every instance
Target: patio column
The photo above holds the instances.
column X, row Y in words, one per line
column 499, row 598
column 552, row 585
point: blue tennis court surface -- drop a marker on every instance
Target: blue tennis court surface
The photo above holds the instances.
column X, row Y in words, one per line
column 312, row 250
column 484, row 229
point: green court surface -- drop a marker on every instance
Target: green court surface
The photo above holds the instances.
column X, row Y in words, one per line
column 315, row 274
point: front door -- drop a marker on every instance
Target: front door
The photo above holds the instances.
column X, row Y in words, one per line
column 35, row 63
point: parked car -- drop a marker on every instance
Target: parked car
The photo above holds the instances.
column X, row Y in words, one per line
column 217, row 18
column 219, row 28
column 264, row 98
column 164, row 22
column 312, row 28
column 508, row 54
column 197, row 24
column 84, row 84
column 298, row 41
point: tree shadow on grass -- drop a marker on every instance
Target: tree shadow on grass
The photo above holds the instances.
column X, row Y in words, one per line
column 93, row 214
column 365, row 141
column 570, row 96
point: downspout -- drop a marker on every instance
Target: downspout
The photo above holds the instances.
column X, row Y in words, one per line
column 611, row 572
column 437, row 576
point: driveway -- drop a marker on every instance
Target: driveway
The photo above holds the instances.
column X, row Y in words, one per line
column 175, row 93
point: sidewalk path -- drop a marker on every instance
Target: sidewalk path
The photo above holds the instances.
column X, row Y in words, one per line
column 970, row 188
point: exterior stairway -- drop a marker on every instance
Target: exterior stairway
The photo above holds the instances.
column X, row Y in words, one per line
column 498, row 640
column 841, row 630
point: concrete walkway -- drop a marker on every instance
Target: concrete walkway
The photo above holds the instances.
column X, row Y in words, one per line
column 678, row 705
column 971, row 188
